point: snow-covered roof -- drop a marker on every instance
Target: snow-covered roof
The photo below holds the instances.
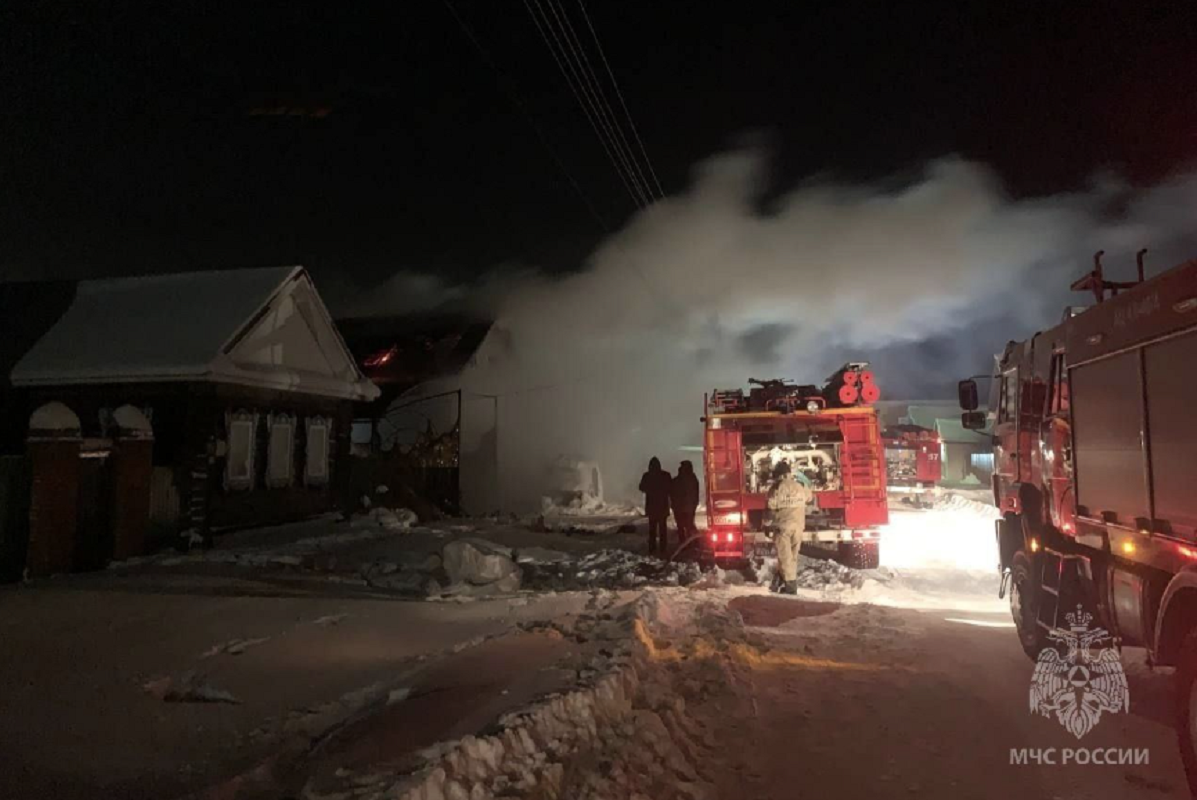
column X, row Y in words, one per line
column 259, row 327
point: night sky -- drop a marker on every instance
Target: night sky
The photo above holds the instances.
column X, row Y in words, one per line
column 133, row 138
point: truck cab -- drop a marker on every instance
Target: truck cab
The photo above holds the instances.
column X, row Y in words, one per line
column 1095, row 455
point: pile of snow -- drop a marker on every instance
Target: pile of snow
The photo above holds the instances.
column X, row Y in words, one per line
column 957, row 534
column 975, row 501
column 607, row 569
column 390, row 519
column 623, row 733
column 823, row 575
column 541, row 555
column 190, row 687
column 301, row 553
column 587, row 506
column 955, row 589
column 481, row 564
column 582, row 523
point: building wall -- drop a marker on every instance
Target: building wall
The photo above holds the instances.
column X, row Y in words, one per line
column 263, row 503
column 190, row 418
column 469, row 398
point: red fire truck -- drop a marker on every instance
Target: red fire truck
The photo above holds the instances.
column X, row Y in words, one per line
column 912, row 461
column 1095, row 454
column 830, row 435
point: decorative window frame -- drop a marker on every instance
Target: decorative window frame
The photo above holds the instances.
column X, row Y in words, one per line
column 319, row 477
column 276, row 423
column 234, row 421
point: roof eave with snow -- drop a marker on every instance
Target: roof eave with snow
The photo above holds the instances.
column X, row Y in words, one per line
column 280, row 337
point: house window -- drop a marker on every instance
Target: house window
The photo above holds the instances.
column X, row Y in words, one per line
column 315, row 471
column 239, row 465
column 280, row 455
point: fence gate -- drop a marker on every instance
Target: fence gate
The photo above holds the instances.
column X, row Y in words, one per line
column 94, row 539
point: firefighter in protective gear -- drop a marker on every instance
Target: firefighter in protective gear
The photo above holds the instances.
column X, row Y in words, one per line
column 787, row 502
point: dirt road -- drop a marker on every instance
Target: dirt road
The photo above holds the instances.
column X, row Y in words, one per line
column 859, row 701
column 86, row 677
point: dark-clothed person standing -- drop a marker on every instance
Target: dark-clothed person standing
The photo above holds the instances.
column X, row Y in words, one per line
column 683, row 497
column 655, row 485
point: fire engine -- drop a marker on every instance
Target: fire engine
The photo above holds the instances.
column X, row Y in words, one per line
column 912, row 461
column 830, row 435
column 1095, row 469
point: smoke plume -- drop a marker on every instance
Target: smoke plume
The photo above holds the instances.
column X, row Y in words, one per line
column 707, row 288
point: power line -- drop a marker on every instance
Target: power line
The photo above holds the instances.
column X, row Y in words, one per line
column 574, row 84
column 518, row 100
column 619, row 94
column 515, row 97
column 607, row 114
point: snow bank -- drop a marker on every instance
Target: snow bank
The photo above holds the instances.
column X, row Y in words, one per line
column 301, row 553
column 588, row 506
column 947, row 589
column 391, row 519
column 957, row 534
column 480, row 563
column 631, row 718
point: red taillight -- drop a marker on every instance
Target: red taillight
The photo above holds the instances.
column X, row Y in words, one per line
column 858, row 534
column 715, row 537
column 731, row 537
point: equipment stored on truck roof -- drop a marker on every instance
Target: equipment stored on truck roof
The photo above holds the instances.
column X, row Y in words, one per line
column 1095, row 457
column 829, row 435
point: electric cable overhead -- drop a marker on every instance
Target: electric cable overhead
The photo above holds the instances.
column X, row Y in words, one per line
column 517, row 100
column 574, row 82
column 595, row 84
column 619, row 94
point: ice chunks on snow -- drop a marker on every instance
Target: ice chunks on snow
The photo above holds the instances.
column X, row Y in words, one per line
column 609, row 569
column 477, row 562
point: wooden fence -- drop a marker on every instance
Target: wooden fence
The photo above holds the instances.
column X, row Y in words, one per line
column 14, row 516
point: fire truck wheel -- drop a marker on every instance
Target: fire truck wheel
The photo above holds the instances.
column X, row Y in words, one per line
column 1186, row 707
column 1024, row 605
column 860, row 555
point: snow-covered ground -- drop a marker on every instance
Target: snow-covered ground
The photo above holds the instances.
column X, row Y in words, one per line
column 957, row 534
column 721, row 694
column 691, row 686
column 944, row 558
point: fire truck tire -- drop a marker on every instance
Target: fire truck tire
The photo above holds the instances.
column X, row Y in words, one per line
column 1024, row 605
column 860, row 555
column 1186, row 707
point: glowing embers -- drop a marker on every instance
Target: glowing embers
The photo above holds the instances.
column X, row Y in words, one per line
column 382, row 357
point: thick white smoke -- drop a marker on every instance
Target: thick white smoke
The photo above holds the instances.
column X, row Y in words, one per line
column 710, row 287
